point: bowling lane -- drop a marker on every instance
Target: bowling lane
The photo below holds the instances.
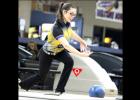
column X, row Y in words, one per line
column 28, row 98
column 41, row 95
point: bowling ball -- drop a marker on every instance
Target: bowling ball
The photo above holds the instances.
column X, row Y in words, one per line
column 97, row 91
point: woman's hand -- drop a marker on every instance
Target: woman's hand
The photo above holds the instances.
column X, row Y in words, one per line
column 83, row 46
column 85, row 51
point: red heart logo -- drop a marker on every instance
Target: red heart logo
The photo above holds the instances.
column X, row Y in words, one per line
column 76, row 71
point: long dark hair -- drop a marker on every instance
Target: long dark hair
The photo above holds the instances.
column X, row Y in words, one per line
column 62, row 6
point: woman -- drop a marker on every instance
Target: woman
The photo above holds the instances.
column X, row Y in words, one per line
column 56, row 47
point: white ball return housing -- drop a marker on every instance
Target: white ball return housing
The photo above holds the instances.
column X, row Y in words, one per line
column 86, row 73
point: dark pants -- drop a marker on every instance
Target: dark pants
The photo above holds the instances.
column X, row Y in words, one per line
column 45, row 63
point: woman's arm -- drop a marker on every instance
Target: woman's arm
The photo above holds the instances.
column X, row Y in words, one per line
column 83, row 44
column 70, row 48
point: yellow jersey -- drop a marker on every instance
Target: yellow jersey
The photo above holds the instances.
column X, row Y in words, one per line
column 59, row 29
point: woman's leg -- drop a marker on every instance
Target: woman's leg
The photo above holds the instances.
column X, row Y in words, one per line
column 28, row 82
column 68, row 65
column 44, row 65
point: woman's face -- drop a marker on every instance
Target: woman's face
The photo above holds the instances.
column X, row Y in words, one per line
column 69, row 14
